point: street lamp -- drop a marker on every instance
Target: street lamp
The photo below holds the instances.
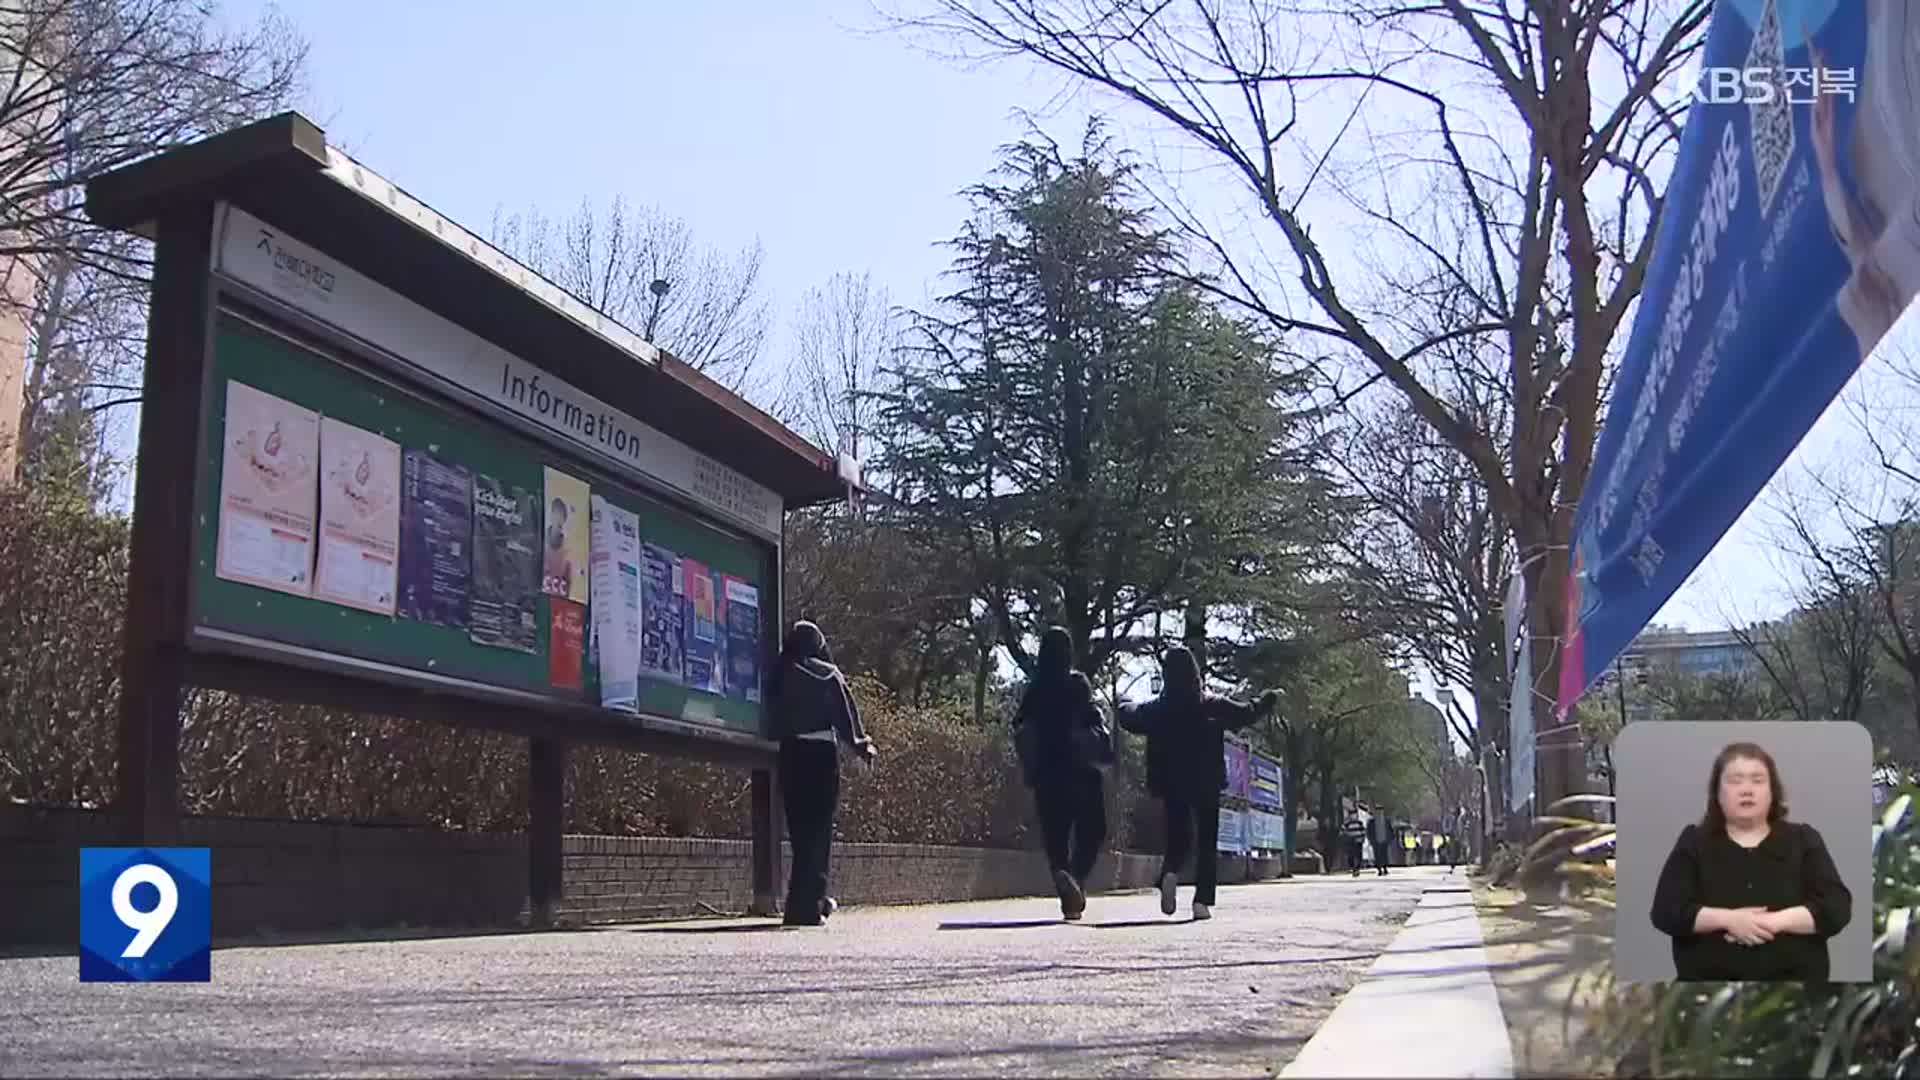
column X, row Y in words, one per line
column 659, row 290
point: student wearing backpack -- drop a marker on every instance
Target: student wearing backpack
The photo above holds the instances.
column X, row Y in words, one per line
column 1064, row 743
column 1186, row 767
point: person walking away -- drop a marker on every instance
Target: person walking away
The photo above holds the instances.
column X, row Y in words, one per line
column 814, row 717
column 1186, row 731
column 1064, row 742
column 1380, row 835
column 1354, row 832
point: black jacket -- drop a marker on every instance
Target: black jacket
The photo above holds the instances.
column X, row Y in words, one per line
column 1056, row 707
column 1186, row 731
column 808, row 694
column 1790, row 868
column 1380, row 830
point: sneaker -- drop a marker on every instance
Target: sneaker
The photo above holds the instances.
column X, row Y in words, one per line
column 1168, row 884
column 828, row 907
column 1202, row 912
column 1073, row 899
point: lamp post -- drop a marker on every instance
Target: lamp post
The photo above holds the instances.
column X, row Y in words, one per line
column 659, row 290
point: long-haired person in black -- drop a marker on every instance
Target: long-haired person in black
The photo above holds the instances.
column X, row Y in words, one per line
column 1186, row 765
column 814, row 717
column 1064, row 742
column 1747, row 894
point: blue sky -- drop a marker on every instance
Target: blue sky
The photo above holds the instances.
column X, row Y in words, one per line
column 838, row 150
column 783, row 122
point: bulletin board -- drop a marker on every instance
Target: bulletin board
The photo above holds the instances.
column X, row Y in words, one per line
column 542, row 655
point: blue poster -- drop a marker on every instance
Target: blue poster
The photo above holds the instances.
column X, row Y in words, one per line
column 1788, row 245
column 743, row 639
column 436, row 539
column 1266, row 782
column 662, row 611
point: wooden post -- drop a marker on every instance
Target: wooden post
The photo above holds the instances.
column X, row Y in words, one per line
column 766, row 843
column 546, row 798
column 147, row 799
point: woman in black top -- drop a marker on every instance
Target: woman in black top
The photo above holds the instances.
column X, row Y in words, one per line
column 814, row 717
column 1186, row 767
column 1057, row 707
column 1747, row 894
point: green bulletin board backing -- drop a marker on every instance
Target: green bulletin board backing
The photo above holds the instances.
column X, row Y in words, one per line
column 273, row 364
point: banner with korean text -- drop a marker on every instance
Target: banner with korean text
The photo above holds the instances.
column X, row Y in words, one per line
column 1789, row 243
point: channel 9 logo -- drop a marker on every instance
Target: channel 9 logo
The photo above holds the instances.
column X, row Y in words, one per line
column 146, row 914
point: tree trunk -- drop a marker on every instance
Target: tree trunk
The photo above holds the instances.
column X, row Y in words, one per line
column 1329, row 837
column 1195, row 637
column 1560, row 756
column 1290, row 776
column 981, row 668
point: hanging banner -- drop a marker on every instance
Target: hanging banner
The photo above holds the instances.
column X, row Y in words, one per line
column 1787, row 246
column 1521, row 731
column 1520, row 726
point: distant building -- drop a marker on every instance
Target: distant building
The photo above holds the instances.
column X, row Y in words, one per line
column 1658, row 649
column 18, row 281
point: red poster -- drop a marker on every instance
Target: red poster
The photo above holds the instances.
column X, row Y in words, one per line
column 567, row 644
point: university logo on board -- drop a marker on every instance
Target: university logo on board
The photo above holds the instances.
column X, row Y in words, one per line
column 146, row 914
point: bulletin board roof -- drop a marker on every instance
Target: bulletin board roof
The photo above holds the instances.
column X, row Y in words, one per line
column 276, row 169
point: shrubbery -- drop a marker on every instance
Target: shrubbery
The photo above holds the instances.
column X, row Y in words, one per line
column 941, row 778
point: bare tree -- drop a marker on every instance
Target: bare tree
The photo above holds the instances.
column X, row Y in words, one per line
column 87, row 86
column 709, row 314
column 1840, row 621
column 1544, row 216
column 844, row 336
column 1437, row 557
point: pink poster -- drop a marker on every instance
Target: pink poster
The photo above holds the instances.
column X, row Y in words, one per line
column 359, row 518
column 267, row 492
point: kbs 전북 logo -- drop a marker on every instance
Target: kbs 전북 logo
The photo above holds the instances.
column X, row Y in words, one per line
column 146, row 914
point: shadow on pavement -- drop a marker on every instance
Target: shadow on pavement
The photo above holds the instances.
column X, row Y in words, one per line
column 1004, row 924
column 729, row 928
column 1135, row 924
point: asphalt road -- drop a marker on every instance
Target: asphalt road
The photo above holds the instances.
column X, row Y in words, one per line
column 952, row 989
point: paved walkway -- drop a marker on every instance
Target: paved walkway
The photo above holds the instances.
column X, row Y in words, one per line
column 953, row 989
column 1426, row 1008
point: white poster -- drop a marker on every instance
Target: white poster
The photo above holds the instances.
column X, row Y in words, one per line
column 1233, row 831
column 359, row 518
column 267, row 492
column 1269, row 831
column 613, row 562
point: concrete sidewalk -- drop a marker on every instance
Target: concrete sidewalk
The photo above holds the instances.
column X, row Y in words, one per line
column 1426, row 1008
column 973, row 989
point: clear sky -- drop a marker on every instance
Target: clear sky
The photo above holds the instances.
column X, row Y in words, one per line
column 783, row 122
column 780, row 122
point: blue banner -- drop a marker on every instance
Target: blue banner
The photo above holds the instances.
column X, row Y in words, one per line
column 1788, row 245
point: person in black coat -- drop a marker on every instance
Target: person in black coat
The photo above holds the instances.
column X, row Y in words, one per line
column 814, row 717
column 1746, row 894
column 1380, row 835
column 1186, row 767
column 1056, row 724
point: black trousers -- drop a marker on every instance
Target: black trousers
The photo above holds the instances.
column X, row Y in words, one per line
column 810, row 789
column 1356, row 853
column 1193, row 827
column 1073, row 821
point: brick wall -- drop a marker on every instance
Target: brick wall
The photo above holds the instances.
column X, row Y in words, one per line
column 301, row 876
